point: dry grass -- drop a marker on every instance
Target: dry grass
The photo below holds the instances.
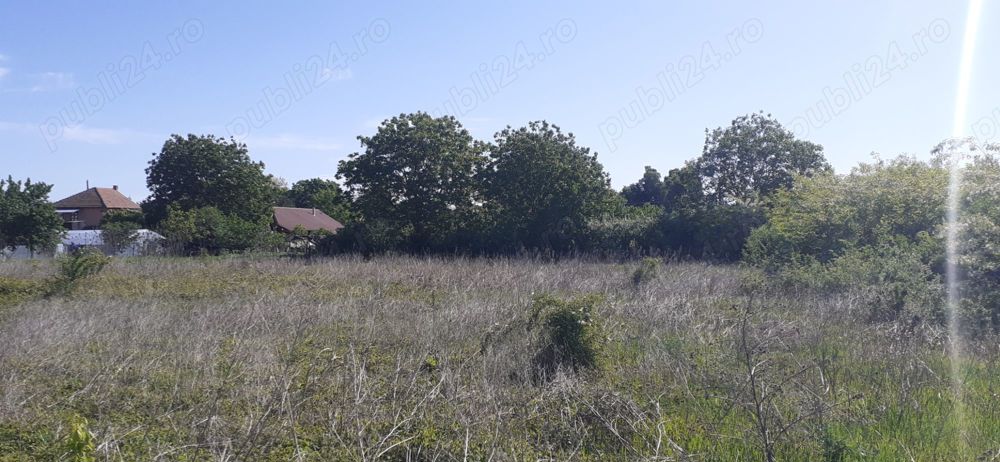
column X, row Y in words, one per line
column 425, row 359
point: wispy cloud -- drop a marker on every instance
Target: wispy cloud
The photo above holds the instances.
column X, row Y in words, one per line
column 292, row 143
column 17, row 127
column 52, row 81
column 338, row 74
column 82, row 133
column 91, row 135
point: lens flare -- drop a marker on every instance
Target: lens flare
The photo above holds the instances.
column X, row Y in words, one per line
column 952, row 234
column 965, row 68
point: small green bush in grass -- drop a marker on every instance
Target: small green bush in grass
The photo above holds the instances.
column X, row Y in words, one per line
column 80, row 443
column 570, row 334
column 646, row 271
column 79, row 264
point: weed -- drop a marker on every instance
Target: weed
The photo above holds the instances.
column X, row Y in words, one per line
column 79, row 442
column 647, row 271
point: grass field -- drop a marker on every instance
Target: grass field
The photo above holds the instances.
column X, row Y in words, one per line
column 457, row 359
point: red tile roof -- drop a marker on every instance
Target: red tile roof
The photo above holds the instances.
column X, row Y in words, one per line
column 288, row 218
column 108, row 198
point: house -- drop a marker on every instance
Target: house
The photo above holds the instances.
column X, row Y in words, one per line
column 84, row 210
column 287, row 219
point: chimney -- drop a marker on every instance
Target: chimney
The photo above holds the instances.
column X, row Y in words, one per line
column 314, row 211
column 115, row 187
column 88, row 184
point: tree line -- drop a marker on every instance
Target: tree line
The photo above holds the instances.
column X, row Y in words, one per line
column 423, row 184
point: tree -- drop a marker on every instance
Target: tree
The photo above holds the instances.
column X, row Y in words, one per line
column 416, row 177
column 650, row 189
column 26, row 216
column 119, row 229
column 325, row 195
column 205, row 171
column 754, row 157
column 540, row 188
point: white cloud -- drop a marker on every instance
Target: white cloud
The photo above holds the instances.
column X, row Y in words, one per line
column 4, row 71
column 52, row 81
column 291, row 143
column 337, row 74
column 95, row 135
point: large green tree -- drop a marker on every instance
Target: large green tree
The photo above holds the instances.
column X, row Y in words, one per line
column 205, row 171
column 415, row 177
column 27, row 217
column 540, row 187
column 650, row 189
column 752, row 158
column 325, row 195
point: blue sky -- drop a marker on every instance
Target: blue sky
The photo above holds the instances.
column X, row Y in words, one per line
column 89, row 92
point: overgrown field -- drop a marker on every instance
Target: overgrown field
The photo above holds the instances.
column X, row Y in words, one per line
column 465, row 359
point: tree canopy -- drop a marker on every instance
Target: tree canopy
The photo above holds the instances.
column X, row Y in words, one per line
column 205, row 171
column 754, row 157
column 650, row 189
column 540, row 187
column 27, row 217
column 416, row 177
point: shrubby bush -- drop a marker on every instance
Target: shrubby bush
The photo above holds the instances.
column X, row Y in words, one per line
column 713, row 232
column 570, row 336
column 119, row 229
column 647, row 270
column 208, row 230
column 980, row 244
column 881, row 229
column 821, row 217
column 895, row 281
column 635, row 231
column 77, row 265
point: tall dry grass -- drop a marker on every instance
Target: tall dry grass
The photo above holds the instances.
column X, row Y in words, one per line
column 424, row 359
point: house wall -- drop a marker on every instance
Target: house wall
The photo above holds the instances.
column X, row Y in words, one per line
column 91, row 217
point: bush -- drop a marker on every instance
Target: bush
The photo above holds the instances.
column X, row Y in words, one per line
column 633, row 232
column 209, row 230
column 569, row 334
column 79, row 264
column 646, row 271
column 896, row 280
column 82, row 262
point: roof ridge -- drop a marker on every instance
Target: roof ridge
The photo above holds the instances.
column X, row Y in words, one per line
column 100, row 196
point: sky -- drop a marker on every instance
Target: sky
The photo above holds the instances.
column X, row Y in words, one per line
column 90, row 90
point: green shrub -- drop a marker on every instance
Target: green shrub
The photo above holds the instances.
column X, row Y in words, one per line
column 80, row 443
column 631, row 231
column 646, row 271
column 81, row 263
column 569, row 333
column 895, row 280
column 208, row 230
